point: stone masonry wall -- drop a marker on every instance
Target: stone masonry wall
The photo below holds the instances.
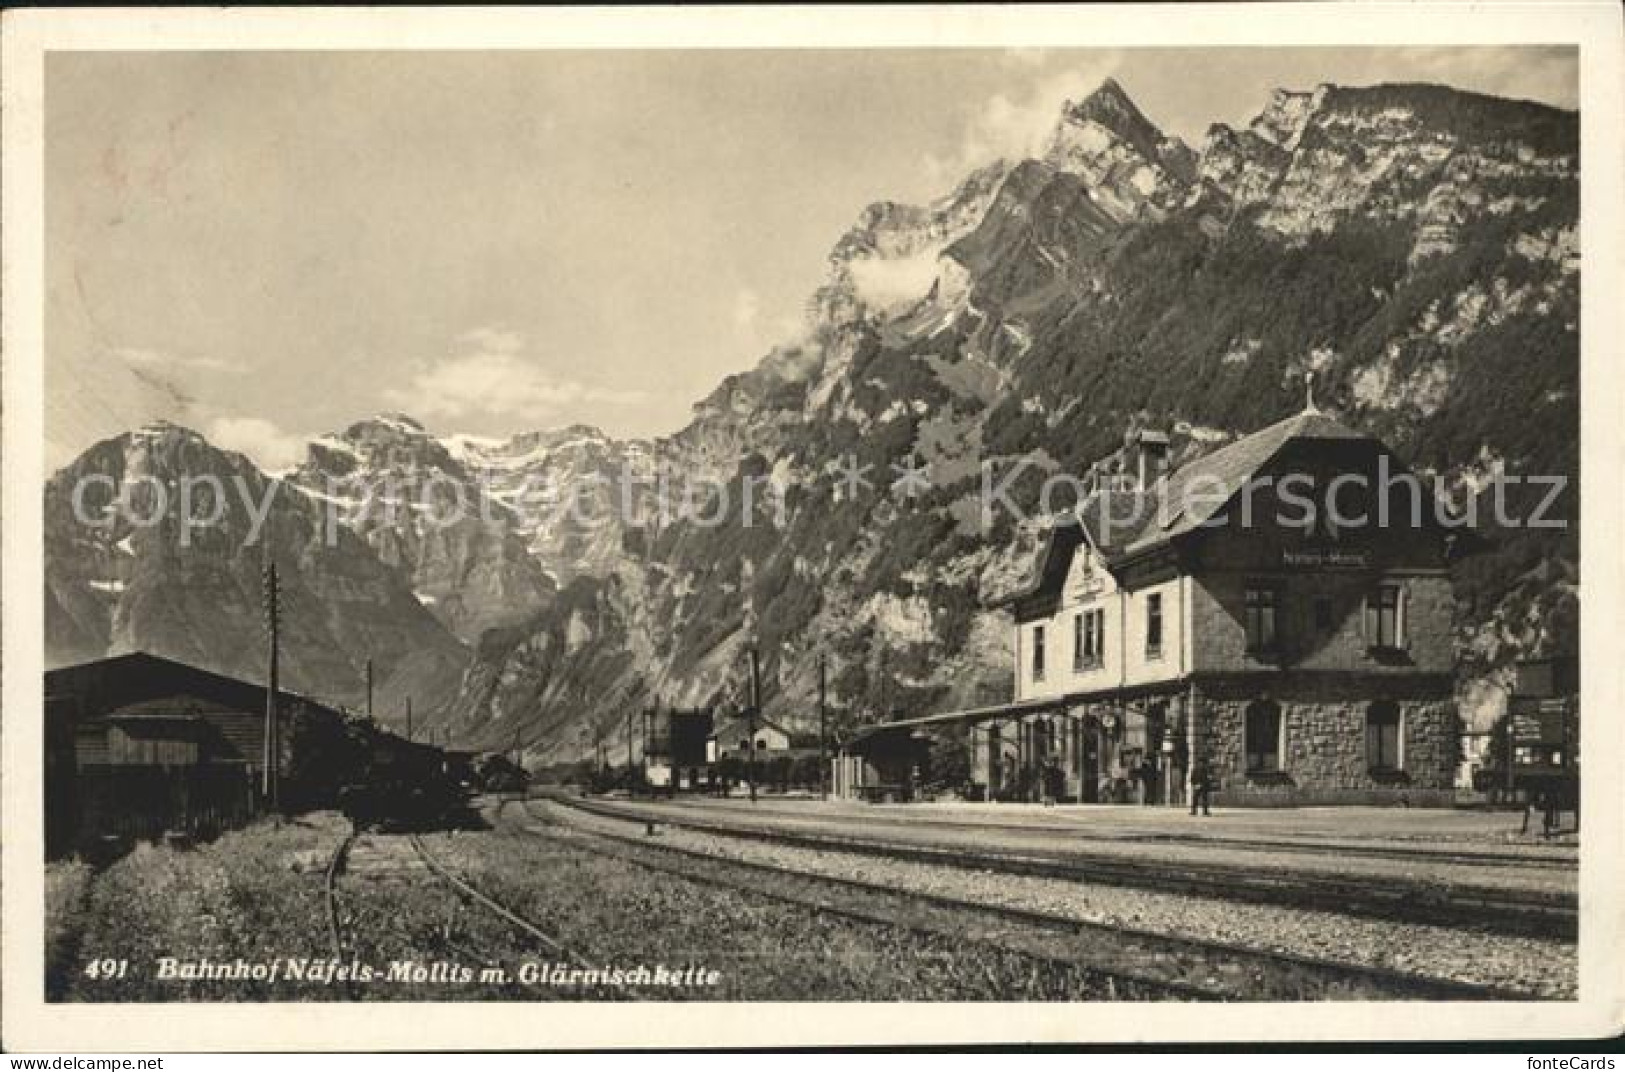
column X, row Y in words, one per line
column 1323, row 758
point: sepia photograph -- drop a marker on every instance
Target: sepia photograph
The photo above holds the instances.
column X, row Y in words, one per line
column 1051, row 523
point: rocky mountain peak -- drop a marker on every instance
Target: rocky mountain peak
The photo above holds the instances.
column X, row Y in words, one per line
column 573, row 435
column 162, row 437
column 1421, row 154
column 162, row 428
column 1284, row 118
column 393, row 426
column 1128, row 163
column 164, row 450
column 387, row 442
column 179, row 578
column 1112, row 108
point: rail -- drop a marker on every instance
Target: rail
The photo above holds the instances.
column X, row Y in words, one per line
column 1526, row 912
column 1254, row 974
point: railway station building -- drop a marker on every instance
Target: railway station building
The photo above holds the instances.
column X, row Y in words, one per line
column 1275, row 614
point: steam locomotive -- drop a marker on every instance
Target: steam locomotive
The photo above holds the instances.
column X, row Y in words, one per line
column 403, row 786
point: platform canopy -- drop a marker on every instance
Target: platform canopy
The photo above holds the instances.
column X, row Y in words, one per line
column 969, row 716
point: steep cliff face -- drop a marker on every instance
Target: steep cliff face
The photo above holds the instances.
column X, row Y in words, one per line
column 457, row 537
column 155, row 541
column 1410, row 153
column 563, row 488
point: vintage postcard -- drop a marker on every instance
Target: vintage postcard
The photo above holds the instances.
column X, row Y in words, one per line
column 940, row 525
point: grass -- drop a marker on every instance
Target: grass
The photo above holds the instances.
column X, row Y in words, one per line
column 258, row 894
column 67, row 884
column 615, row 912
column 254, row 893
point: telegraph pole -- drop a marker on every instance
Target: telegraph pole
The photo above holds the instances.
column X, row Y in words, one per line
column 885, row 687
column 631, row 782
column 751, row 713
column 273, row 729
column 369, row 690
column 823, row 729
column 409, row 718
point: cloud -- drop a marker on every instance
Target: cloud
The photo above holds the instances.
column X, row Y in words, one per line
column 1026, row 57
column 747, row 307
column 1015, row 125
column 882, row 282
column 272, row 449
column 490, row 373
column 493, row 340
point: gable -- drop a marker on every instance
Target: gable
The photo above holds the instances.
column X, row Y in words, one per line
column 1088, row 577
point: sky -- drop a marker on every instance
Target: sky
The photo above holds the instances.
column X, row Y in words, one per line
column 267, row 246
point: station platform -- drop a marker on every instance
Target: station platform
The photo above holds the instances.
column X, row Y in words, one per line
column 1446, row 844
column 1448, row 825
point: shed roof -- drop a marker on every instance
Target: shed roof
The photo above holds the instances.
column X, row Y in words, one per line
column 119, row 682
column 971, row 714
column 740, row 727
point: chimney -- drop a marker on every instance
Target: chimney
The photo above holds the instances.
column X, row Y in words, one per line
column 1148, row 454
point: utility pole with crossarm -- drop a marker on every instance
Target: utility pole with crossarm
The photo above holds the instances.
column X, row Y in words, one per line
column 272, row 775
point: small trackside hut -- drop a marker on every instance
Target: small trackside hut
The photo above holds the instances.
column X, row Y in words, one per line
column 881, row 764
column 1220, row 619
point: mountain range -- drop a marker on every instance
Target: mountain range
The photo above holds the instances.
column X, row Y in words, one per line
column 1412, row 247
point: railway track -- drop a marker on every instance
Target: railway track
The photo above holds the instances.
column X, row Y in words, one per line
column 344, row 921
column 549, row 943
column 1142, row 963
column 1532, row 913
column 335, row 866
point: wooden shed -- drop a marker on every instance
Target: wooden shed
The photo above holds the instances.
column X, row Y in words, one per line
column 139, row 745
column 880, row 763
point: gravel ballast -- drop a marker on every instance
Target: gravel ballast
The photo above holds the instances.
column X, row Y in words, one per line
column 1545, row 967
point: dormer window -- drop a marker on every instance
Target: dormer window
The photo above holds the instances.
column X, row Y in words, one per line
column 1153, row 626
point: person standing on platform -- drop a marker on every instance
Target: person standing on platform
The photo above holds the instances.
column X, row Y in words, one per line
column 1201, row 786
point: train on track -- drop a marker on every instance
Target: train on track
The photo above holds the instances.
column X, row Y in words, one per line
column 404, row 786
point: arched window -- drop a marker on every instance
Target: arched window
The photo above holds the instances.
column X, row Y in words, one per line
column 1263, row 736
column 1382, row 736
